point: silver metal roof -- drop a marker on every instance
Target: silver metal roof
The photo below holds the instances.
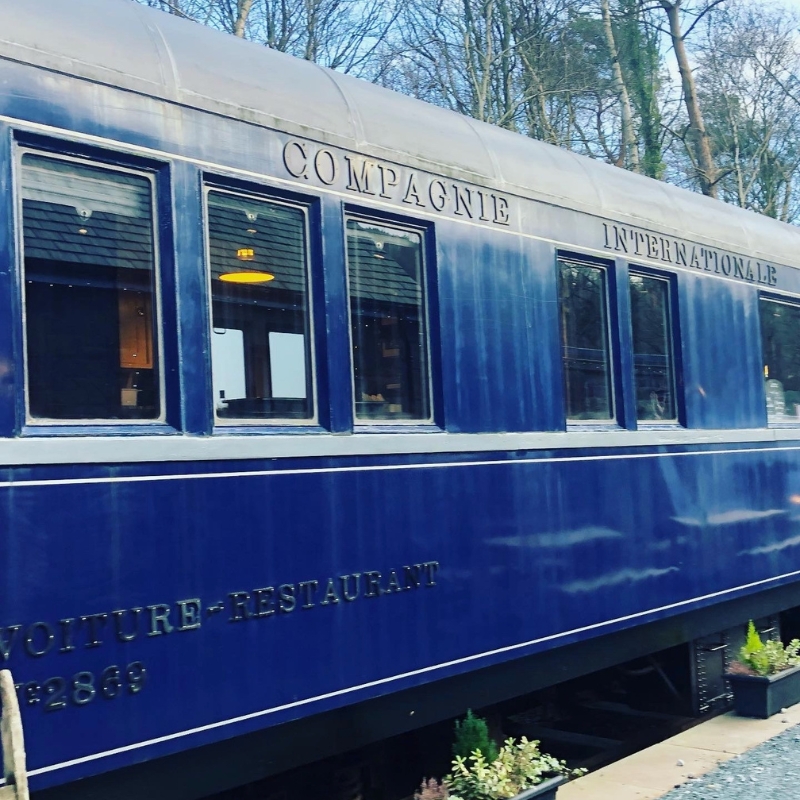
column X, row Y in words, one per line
column 125, row 44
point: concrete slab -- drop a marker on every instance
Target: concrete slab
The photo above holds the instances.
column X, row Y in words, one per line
column 651, row 773
column 733, row 734
column 606, row 787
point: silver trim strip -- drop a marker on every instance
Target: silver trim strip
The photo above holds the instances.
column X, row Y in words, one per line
column 88, row 449
column 376, row 468
column 422, row 671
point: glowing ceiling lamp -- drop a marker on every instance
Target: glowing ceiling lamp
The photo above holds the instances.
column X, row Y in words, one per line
column 246, row 277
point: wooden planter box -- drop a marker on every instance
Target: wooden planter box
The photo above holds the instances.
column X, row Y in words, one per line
column 762, row 696
column 544, row 791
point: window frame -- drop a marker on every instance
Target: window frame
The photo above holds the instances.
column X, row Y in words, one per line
column 785, row 300
column 262, row 194
column 673, row 341
column 426, row 240
column 112, row 163
column 610, row 313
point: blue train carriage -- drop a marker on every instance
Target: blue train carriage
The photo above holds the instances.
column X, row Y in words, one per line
column 327, row 413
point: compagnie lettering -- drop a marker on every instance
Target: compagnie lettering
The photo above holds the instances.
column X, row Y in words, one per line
column 369, row 176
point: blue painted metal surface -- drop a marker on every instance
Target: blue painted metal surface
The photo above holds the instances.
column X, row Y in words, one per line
column 532, row 553
column 526, row 548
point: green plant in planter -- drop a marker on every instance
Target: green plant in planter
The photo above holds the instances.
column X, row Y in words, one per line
column 471, row 734
column 767, row 658
column 431, row 789
column 518, row 766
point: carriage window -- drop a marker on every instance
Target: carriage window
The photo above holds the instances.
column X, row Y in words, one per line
column 584, row 341
column 780, row 334
column 260, row 342
column 388, row 322
column 91, row 322
column 652, row 348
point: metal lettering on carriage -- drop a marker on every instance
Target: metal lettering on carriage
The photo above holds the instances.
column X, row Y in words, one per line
column 59, row 692
column 668, row 250
column 89, row 631
column 38, row 639
column 305, row 595
column 374, row 178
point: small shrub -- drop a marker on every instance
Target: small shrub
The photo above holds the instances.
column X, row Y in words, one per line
column 767, row 658
column 471, row 734
column 518, row 766
column 431, row 789
column 753, row 643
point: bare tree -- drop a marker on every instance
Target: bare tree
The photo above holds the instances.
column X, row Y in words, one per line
column 747, row 62
column 342, row 34
column 567, row 96
column 459, row 54
column 587, row 75
column 243, row 12
column 539, row 67
column 640, row 53
column 697, row 136
column 197, row 10
column 629, row 152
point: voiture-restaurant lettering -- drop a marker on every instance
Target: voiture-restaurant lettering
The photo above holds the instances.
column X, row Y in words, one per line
column 38, row 639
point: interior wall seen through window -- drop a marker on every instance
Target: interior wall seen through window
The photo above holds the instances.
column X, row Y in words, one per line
column 91, row 327
column 388, row 322
column 654, row 375
column 780, row 342
column 260, row 340
column 584, row 341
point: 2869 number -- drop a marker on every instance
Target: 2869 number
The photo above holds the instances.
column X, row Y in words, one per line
column 56, row 693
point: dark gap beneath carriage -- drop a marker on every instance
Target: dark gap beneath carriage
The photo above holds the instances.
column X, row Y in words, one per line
column 589, row 721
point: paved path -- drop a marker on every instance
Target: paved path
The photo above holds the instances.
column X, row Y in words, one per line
column 651, row 773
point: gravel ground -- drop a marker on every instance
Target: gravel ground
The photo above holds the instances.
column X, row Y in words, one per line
column 770, row 771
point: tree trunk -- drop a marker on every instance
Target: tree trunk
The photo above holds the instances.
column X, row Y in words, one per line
column 241, row 18
column 629, row 153
column 707, row 171
column 639, row 51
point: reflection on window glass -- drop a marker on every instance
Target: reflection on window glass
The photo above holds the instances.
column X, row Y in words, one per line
column 387, row 319
column 584, row 341
column 260, row 343
column 780, row 338
column 90, row 310
column 652, row 351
